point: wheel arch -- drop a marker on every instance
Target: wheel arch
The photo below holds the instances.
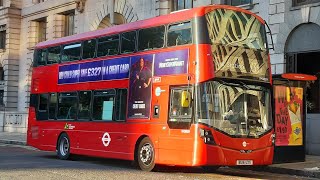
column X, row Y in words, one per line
column 57, row 142
column 137, row 145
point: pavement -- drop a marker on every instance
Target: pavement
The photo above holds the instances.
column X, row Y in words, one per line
column 309, row 168
column 13, row 138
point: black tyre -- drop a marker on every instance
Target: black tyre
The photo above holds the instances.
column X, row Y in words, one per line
column 210, row 169
column 63, row 147
column 145, row 155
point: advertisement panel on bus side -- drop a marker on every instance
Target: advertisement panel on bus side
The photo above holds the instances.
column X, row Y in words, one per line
column 140, row 86
column 94, row 71
column 139, row 69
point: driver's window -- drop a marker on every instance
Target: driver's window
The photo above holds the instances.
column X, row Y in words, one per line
column 180, row 102
column 180, row 111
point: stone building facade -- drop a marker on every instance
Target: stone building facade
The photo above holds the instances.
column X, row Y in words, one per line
column 24, row 23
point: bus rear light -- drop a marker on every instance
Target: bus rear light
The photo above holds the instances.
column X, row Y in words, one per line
column 207, row 136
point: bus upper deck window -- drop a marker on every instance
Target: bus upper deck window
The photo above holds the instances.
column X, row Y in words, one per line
column 89, row 49
column 71, row 52
column 40, row 57
column 108, row 45
column 53, row 55
column 128, row 42
column 179, row 34
column 151, row 38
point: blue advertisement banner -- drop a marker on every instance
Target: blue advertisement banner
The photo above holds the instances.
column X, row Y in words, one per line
column 140, row 86
column 69, row 74
column 91, row 71
column 170, row 63
column 116, row 69
column 94, row 71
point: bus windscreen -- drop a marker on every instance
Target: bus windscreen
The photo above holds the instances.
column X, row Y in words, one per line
column 234, row 109
column 239, row 45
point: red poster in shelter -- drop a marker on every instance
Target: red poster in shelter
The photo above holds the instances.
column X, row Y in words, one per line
column 288, row 115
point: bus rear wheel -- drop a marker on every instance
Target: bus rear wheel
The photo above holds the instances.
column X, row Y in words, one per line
column 63, row 147
column 145, row 155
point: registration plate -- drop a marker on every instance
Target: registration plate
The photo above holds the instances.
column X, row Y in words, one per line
column 244, row 162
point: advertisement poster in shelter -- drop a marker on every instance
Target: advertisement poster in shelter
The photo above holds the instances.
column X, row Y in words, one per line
column 288, row 115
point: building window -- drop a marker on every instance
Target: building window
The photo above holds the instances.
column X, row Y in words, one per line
column 1, row 98
column 42, row 29
column 181, row 4
column 1, row 91
column 69, row 24
column 3, row 35
column 1, row 2
column 1, row 74
column 303, row 2
column 37, row 1
column 238, row 2
column 3, row 39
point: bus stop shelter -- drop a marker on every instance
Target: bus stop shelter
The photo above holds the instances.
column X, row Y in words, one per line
column 289, row 102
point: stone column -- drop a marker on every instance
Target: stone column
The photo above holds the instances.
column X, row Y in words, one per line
column 111, row 10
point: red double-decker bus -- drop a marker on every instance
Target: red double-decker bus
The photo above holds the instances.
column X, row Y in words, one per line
column 191, row 88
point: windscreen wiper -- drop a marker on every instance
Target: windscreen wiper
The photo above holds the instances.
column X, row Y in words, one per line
column 239, row 83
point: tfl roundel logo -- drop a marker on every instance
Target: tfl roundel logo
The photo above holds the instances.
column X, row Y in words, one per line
column 106, row 139
column 244, row 144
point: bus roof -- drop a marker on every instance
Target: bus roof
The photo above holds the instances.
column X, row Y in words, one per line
column 160, row 20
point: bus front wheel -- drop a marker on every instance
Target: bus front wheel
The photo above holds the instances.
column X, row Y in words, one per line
column 145, row 155
column 63, row 147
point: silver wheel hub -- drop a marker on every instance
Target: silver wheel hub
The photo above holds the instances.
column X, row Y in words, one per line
column 64, row 146
column 146, row 154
